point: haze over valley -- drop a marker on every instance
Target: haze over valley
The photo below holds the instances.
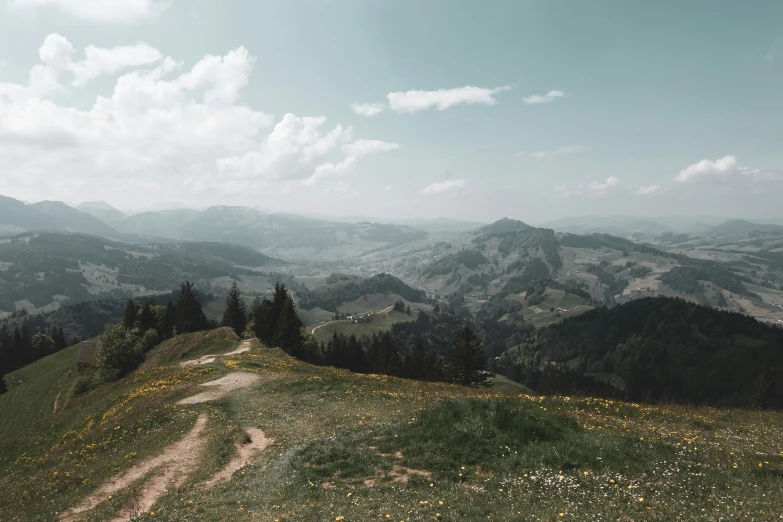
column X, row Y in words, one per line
column 350, row 261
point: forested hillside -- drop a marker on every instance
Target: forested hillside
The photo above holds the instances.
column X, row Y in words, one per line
column 45, row 268
column 331, row 296
column 663, row 349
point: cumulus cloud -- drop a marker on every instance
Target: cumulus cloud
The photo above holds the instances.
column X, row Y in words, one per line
column 361, row 148
column 442, row 99
column 163, row 125
column 592, row 189
column 99, row 62
column 449, row 187
column 705, row 168
column 56, row 54
column 545, row 98
column 368, row 109
column 153, row 125
column 553, row 153
column 297, row 149
column 98, row 10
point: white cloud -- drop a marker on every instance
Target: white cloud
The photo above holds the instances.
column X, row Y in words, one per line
column 56, row 51
column 553, row 153
column 450, row 186
column 546, row 98
column 361, row 148
column 153, row 127
column 3, row 63
column 98, row 10
column 414, row 101
column 98, row 61
column 368, row 109
column 650, row 190
column 387, row 188
column 724, row 165
column 56, row 54
column 298, row 150
column 591, row 190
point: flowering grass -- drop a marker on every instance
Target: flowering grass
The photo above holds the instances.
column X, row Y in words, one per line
column 370, row 447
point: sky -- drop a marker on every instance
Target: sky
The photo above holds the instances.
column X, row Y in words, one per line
column 397, row 109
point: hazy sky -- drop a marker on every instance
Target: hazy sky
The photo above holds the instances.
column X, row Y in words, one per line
column 475, row 110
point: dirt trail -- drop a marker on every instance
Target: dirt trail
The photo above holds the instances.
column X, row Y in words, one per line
column 244, row 347
column 56, row 401
column 258, row 442
column 222, row 387
column 173, row 464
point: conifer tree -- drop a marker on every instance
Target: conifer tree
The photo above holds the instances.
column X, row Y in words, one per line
column 129, row 320
column 169, row 320
column 190, row 316
column 235, row 315
column 289, row 329
column 465, row 361
column 146, row 318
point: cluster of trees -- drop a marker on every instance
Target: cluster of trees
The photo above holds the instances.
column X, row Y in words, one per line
column 18, row 348
column 123, row 345
column 464, row 363
column 666, row 350
column 275, row 322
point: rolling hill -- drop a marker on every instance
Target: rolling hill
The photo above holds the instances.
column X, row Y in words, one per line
column 276, row 234
column 261, row 436
column 662, row 349
column 42, row 270
column 16, row 217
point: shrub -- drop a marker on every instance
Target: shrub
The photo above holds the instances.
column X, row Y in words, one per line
column 119, row 353
column 82, row 385
column 149, row 340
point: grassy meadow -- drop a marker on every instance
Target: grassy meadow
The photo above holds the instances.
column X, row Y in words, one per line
column 350, row 447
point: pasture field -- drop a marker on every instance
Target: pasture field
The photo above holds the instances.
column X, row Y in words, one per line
column 323, row 444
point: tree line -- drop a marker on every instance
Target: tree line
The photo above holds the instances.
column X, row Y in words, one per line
column 275, row 323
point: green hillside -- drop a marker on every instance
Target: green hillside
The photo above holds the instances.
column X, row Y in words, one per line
column 663, row 349
column 376, row 324
column 272, row 438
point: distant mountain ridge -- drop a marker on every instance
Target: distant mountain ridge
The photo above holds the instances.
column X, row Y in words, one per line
column 55, row 216
column 740, row 226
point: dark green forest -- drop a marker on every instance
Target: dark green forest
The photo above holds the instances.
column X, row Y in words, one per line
column 659, row 350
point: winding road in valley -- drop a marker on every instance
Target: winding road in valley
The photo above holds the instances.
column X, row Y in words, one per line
column 337, row 321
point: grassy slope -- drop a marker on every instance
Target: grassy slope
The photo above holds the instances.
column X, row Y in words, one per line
column 506, row 385
column 379, row 324
column 35, row 388
column 344, row 442
column 539, row 315
column 192, row 346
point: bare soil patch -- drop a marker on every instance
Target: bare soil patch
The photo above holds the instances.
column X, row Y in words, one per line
column 174, row 465
column 222, row 387
column 244, row 347
column 258, row 442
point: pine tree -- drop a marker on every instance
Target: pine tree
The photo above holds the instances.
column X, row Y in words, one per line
column 289, row 329
column 465, row 361
column 169, row 320
column 146, row 318
column 261, row 318
column 190, row 316
column 235, row 315
column 129, row 320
